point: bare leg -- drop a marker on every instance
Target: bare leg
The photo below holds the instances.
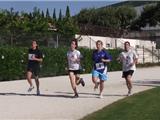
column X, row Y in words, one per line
column 77, row 79
column 37, row 82
column 94, row 80
column 101, row 86
column 73, row 82
column 29, row 78
column 129, row 83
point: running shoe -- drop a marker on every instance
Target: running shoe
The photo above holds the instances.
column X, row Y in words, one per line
column 30, row 88
column 129, row 93
column 76, row 95
column 82, row 82
column 101, row 96
column 38, row 92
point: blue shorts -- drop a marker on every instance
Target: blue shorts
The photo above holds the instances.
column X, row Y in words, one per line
column 99, row 75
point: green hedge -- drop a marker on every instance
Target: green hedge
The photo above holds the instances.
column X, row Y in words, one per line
column 13, row 62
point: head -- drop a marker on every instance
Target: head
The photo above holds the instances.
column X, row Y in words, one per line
column 34, row 45
column 127, row 46
column 74, row 44
column 99, row 45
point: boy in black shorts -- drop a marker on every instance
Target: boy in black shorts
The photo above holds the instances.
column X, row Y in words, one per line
column 129, row 60
column 33, row 68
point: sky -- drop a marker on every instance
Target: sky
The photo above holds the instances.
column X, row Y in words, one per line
column 74, row 5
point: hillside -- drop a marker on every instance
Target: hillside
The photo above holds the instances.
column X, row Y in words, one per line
column 132, row 3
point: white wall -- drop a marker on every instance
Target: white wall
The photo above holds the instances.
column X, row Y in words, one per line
column 90, row 42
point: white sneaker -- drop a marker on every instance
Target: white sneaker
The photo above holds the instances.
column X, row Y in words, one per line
column 30, row 88
column 129, row 93
column 101, row 96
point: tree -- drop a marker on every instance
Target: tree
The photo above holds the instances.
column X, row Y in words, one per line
column 54, row 14
column 60, row 15
column 149, row 16
column 85, row 16
column 115, row 20
column 47, row 14
column 42, row 14
column 125, row 15
column 67, row 12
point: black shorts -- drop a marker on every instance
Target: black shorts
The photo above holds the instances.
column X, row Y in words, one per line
column 34, row 69
column 126, row 73
column 74, row 71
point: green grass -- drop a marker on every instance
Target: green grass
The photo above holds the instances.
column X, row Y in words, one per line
column 142, row 106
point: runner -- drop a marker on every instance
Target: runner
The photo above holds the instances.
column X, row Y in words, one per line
column 100, row 58
column 129, row 58
column 74, row 56
column 34, row 59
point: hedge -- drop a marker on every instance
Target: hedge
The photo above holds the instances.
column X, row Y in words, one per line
column 13, row 62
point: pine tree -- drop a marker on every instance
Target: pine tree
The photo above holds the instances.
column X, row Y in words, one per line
column 42, row 14
column 47, row 14
column 60, row 15
column 54, row 14
column 67, row 12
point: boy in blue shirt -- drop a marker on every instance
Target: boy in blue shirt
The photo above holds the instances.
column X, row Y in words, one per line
column 100, row 59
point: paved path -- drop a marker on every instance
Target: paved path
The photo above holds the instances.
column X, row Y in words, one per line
column 56, row 102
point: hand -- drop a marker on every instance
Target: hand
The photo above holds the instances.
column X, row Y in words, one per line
column 103, row 60
column 33, row 57
column 131, row 64
column 36, row 59
column 66, row 69
column 119, row 60
column 75, row 60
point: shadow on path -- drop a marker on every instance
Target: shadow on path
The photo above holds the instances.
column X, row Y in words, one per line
column 62, row 95
column 91, row 95
column 41, row 95
column 147, row 82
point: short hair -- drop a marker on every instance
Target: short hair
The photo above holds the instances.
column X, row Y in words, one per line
column 127, row 42
column 34, row 41
column 99, row 41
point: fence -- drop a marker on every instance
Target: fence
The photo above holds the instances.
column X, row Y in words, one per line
column 148, row 55
column 43, row 38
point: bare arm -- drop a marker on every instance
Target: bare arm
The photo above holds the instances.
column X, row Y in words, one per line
column 106, row 60
column 37, row 59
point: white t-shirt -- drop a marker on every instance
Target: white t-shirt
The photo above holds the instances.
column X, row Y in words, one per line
column 127, row 59
column 72, row 57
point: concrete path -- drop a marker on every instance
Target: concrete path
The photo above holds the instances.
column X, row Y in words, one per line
column 56, row 102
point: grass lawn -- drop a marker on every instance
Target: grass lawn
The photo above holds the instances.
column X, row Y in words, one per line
column 142, row 106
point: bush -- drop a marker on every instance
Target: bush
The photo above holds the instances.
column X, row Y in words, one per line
column 13, row 62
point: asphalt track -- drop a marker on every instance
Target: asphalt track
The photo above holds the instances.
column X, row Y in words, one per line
column 56, row 102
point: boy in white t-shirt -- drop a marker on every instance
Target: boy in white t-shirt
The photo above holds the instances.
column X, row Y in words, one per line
column 74, row 57
column 129, row 60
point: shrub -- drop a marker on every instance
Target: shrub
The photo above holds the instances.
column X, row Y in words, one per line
column 13, row 62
